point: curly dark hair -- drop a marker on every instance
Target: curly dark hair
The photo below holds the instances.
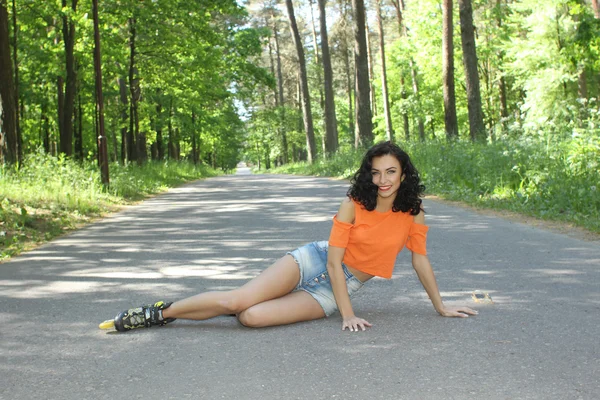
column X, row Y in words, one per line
column 364, row 191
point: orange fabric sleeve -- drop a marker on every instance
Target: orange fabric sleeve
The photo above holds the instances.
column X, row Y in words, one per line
column 417, row 238
column 340, row 233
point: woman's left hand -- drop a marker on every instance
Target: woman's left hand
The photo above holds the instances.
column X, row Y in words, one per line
column 461, row 312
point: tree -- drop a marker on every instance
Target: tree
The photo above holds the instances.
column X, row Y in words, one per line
column 280, row 94
column 467, row 31
column 7, row 92
column 331, row 140
column 364, row 123
column 66, row 134
column 384, row 87
column 103, row 151
column 450, row 119
column 306, row 109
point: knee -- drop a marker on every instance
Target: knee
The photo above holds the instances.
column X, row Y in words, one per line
column 251, row 318
column 233, row 304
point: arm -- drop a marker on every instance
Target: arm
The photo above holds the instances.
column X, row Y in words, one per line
column 335, row 255
column 425, row 273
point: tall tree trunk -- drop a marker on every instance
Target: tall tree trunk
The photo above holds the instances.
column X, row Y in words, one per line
column 405, row 121
column 467, row 33
column 102, row 142
column 8, row 108
column 384, row 88
column 450, row 120
column 125, row 135
column 45, row 127
column 60, row 87
column 399, row 7
column 502, row 81
column 371, row 74
column 171, row 143
column 66, row 135
column 78, row 129
column 597, row 15
column 284, row 142
column 134, row 93
column 160, row 151
column 18, row 104
column 319, row 77
column 364, row 121
column 306, row 110
column 345, row 49
column 194, row 148
column 331, row 135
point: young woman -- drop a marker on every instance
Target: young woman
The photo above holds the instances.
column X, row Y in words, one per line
column 380, row 217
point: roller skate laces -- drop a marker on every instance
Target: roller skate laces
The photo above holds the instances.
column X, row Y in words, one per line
column 142, row 317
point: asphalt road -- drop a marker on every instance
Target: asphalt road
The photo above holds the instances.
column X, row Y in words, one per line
column 539, row 340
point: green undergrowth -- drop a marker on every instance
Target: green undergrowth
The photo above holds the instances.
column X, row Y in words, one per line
column 557, row 181
column 48, row 196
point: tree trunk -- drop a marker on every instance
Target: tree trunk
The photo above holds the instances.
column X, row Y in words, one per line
column 45, row 127
column 319, row 77
column 502, row 80
column 18, row 104
column 8, row 108
column 102, row 143
column 66, row 135
column 405, row 121
column 134, row 92
column 78, row 129
column 384, row 88
column 372, row 92
column 125, row 136
column 450, row 120
column 306, row 110
column 171, row 143
column 160, row 152
column 364, row 121
column 284, row 142
column 331, row 135
column 345, row 49
column 194, row 148
column 60, row 87
column 597, row 15
column 399, row 17
column 467, row 33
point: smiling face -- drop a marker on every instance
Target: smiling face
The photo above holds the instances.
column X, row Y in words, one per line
column 387, row 175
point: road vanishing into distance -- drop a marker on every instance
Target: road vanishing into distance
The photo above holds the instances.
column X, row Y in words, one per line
column 538, row 340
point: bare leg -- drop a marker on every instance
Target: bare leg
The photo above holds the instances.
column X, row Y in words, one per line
column 293, row 307
column 276, row 281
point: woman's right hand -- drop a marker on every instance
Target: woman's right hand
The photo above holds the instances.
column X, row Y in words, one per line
column 353, row 323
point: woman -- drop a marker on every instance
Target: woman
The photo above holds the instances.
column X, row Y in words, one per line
column 381, row 215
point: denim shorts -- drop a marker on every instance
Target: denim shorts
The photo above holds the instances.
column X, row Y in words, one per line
column 314, row 278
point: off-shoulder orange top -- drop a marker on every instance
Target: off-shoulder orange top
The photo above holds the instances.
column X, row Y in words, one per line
column 374, row 240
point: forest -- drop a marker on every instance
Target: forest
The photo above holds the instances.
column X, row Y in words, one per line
column 498, row 101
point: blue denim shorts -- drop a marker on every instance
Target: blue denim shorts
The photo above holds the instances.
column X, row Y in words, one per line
column 314, row 278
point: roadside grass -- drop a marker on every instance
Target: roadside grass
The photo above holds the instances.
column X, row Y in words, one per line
column 49, row 196
column 556, row 181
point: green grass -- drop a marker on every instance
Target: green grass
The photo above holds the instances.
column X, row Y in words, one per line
column 557, row 181
column 49, row 196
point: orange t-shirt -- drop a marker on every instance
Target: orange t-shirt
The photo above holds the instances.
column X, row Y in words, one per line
column 374, row 240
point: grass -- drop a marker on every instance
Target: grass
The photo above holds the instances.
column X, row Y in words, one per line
column 558, row 181
column 49, row 196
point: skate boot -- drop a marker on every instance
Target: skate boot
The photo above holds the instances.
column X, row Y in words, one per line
column 142, row 317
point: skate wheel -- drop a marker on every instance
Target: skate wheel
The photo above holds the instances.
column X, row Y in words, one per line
column 108, row 324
